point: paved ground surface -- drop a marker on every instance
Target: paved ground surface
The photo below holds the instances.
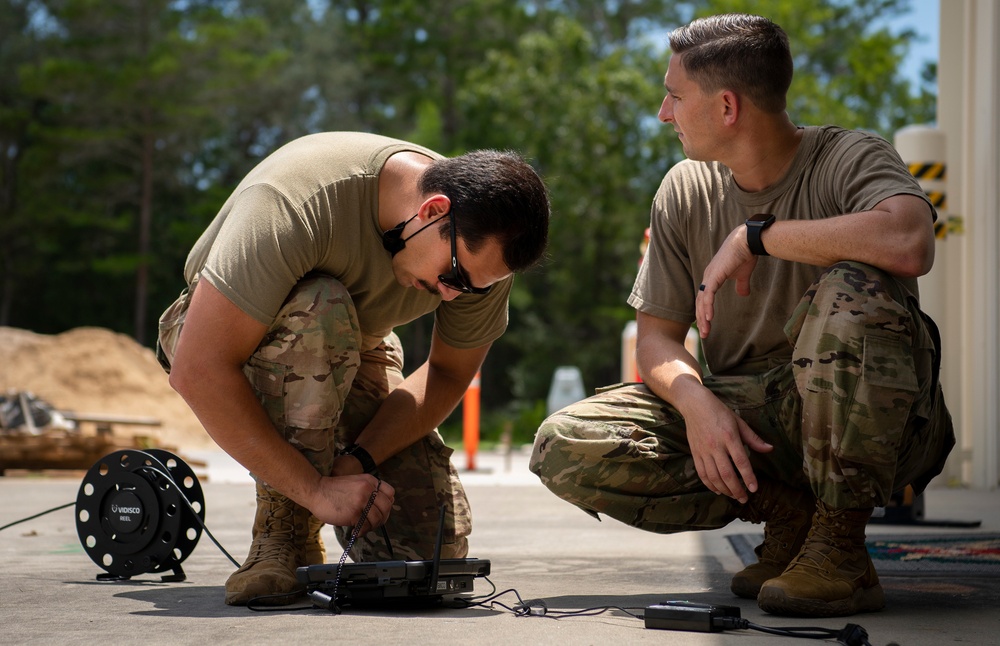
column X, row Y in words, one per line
column 537, row 545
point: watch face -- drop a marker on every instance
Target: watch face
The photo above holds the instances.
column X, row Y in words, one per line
column 760, row 217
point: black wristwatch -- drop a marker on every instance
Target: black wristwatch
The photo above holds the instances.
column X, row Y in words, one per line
column 755, row 226
column 362, row 456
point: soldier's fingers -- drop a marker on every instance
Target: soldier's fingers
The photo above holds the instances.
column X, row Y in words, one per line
column 384, row 508
column 748, row 478
column 742, row 471
column 699, row 467
column 752, row 440
column 730, row 481
column 388, row 491
column 725, row 478
column 375, row 518
column 704, row 309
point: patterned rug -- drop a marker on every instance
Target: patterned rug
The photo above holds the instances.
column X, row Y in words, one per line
column 914, row 554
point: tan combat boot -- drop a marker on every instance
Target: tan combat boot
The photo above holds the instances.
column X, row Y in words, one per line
column 833, row 575
column 787, row 515
column 280, row 531
column 315, row 553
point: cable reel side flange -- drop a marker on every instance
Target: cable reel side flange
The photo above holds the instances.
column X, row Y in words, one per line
column 133, row 514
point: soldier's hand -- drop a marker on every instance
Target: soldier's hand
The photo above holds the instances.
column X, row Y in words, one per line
column 342, row 499
column 717, row 446
column 733, row 261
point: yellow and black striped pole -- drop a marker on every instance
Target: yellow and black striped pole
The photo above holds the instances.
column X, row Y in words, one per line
column 933, row 179
column 923, row 150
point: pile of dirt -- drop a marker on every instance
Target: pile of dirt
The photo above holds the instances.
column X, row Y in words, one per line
column 95, row 372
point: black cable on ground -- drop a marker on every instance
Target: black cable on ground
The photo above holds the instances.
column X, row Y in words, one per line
column 849, row 635
column 48, row 511
column 201, row 522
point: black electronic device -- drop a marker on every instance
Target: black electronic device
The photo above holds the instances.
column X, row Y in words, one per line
column 688, row 615
column 394, row 581
column 419, row 582
column 138, row 512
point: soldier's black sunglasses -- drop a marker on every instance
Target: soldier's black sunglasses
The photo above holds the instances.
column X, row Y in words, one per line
column 456, row 278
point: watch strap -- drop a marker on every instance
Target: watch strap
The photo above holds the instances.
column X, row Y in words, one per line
column 755, row 227
column 363, row 456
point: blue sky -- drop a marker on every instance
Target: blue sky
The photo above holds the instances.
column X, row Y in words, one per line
column 925, row 20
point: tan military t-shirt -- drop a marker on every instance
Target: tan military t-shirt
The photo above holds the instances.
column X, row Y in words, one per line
column 835, row 171
column 312, row 206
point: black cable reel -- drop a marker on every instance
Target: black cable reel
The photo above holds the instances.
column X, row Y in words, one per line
column 139, row 512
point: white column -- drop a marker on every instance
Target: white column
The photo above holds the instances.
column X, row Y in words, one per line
column 968, row 109
column 983, row 224
column 924, row 150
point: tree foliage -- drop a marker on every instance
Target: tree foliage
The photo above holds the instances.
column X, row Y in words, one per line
column 124, row 124
column 124, row 95
column 585, row 121
column 846, row 62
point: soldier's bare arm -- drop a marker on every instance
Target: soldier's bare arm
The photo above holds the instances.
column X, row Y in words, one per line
column 715, row 434
column 422, row 401
column 207, row 371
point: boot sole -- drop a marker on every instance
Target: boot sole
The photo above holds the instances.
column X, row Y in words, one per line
column 748, row 582
column 265, row 588
column 744, row 589
column 775, row 601
column 271, row 598
column 748, row 587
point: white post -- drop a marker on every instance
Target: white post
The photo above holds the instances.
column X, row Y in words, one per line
column 968, row 102
column 983, row 225
column 923, row 151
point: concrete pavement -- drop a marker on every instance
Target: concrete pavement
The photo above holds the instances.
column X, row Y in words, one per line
column 537, row 544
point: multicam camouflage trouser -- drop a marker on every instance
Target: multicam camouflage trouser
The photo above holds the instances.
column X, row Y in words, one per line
column 857, row 414
column 320, row 389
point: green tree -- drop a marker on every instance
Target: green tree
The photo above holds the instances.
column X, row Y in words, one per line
column 579, row 94
column 847, row 62
column 584, row 115
column 410, row 62
column 19, row 44
column 124, row 124
column 130, row 89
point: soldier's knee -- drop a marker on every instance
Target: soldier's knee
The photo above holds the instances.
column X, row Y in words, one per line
column 850, row 297
column 319, row 295
column 853, row 276
column 547, row 439
column 542, row 439
column 320, row 284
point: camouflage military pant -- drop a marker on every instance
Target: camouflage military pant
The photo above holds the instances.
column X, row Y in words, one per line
column 320, row 389
column 855, row 415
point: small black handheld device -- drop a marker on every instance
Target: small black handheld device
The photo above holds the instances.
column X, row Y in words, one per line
column 687, row 615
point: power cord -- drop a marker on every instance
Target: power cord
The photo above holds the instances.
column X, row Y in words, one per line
column 38, row 515
column 708, row 618
column 681, row 615
column 850, row 635
column 675, row 615
column 319, row 598
column 197, row 517
column 170, row 478
column 533, row 607
column 329, row 601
